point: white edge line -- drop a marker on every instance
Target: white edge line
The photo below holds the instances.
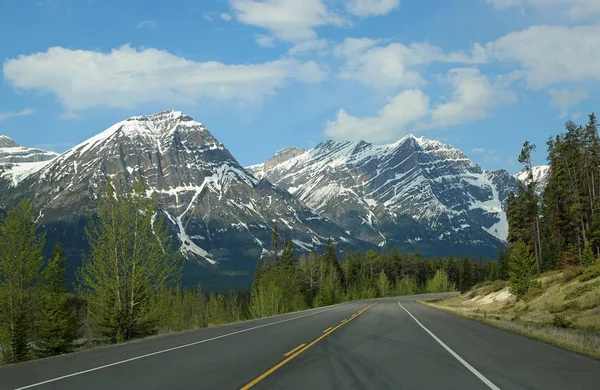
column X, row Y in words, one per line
column 464, row 363
column 172, row 349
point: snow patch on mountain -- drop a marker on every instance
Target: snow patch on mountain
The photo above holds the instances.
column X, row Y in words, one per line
column 541, row 174
column 365, row 186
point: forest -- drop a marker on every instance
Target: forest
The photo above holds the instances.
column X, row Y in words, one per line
column 129, row 284
column 560, row 227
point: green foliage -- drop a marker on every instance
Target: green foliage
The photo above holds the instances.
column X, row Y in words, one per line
column 21, row 262
column 522, row 269
column 588, row 256
column 131, row 258
column 467, row 276
column 561, row 322
column 589, row 273
column 383, row 285
column 216, row 310
column 581, row 289
column 58, row 326
column 439, row 283
column 406, row 286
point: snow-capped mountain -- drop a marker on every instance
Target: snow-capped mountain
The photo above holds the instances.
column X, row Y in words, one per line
column 17, row 161
column 12, row 152
column 416, row 194
column 540, row 176
column 219, row 212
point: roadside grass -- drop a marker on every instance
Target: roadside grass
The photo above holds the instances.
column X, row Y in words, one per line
column 583, row 341
column 564, row 311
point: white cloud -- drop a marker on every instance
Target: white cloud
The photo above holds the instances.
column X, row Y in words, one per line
column 565, row 98
column 265, row 41
column 68, row 115
column 391, row 122
column 226, row 17
column 575, row 9
column 551, row 54
column 147, row 23
column 394, row 65
column 126, row 77
column 371, row 7
column 473, row 96
column 410, row 111
column 308, row 46
column 290, row 20
column 12, row 114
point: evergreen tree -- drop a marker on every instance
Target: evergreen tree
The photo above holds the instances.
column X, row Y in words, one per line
column 288, row 258
column 502, row 273
column 467, row 277
column 274, row 260
column 131, row 258
column 588, row 256
column 522, row 269
column 21, row 262
column 58, row 326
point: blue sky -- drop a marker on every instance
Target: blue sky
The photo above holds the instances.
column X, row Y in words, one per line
column 481, row 75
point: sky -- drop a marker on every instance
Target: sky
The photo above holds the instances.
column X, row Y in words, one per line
column 262, row 75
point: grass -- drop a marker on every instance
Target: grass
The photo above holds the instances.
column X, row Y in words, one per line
column 563, row 310
column 583, row 341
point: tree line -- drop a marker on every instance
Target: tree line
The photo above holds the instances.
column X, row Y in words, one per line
column 129, row 283
column 561, row 226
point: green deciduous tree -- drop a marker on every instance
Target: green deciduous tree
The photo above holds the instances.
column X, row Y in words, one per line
column 383, row 285
column 131, row 259
column 440, row 282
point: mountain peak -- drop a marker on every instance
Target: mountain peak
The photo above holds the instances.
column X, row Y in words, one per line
column 163, row 116
column 7, row 142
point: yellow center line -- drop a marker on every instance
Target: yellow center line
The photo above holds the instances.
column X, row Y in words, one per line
column 328, row 329
column 280, row 364
column 294, row 350
column 342, row 321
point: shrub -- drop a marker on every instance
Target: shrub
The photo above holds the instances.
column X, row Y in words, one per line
column 561, row 322
column 581, row 289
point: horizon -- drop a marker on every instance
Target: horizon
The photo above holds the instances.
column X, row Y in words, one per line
column 311, row 71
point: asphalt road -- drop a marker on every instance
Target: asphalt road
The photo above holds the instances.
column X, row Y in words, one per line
column 392, row 343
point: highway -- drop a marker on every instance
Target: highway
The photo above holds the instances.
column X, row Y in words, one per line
column 391, row 343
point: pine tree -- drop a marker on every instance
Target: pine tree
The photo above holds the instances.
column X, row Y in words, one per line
column 274, row 260
column 467, row 277
column 131, row 258
column 502, row 273
column 522, row 269
column 288, row 258
column 588, row 256
column 21, row 262
column 58, row 324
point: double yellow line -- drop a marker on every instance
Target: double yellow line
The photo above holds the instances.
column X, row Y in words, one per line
column 303, row 347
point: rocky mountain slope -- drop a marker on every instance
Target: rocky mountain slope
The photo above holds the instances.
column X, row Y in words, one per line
column 540, row 176
column 220, row 213
column 415, row 194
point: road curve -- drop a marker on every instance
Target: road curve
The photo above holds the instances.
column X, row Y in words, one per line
column 391, row 343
